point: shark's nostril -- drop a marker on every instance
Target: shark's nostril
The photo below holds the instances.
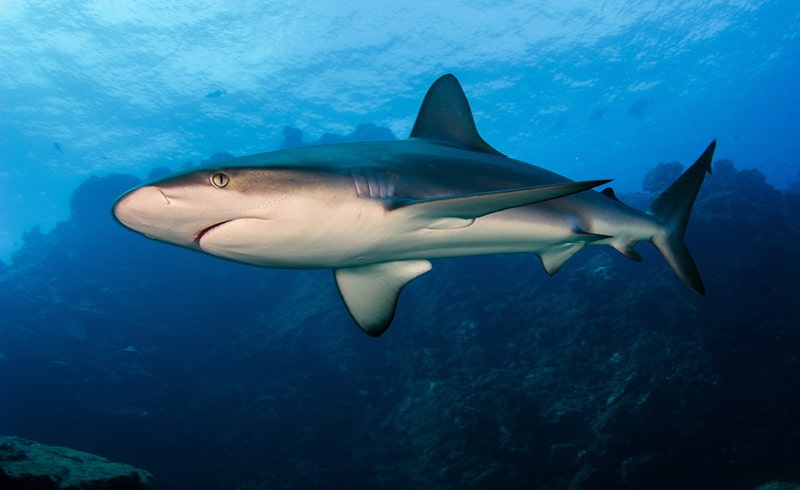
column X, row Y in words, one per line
column 169, row 203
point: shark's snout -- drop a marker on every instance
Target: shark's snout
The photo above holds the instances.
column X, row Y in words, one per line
column 173, row 215
column 140, row 208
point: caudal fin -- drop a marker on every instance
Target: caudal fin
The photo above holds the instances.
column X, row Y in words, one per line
column 673, row 207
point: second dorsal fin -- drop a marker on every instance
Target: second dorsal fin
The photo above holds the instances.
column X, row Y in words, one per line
column 609, row 192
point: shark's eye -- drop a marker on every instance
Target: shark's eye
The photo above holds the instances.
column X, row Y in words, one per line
column 219, row 179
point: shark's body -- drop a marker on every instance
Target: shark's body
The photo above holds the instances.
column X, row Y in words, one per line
column 376, row 212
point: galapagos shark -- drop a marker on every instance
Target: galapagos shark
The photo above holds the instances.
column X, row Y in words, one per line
column 377, row 212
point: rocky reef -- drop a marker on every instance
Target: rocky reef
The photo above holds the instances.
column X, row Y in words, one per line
column 608, row 375
column 28, row 465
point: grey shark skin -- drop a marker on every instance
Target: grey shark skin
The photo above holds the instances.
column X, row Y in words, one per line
column 376, row 212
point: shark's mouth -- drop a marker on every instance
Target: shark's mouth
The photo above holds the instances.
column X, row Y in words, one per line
column 242, row 239
column 200, row 234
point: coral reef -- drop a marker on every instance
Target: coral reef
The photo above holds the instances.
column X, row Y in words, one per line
column 610, row 374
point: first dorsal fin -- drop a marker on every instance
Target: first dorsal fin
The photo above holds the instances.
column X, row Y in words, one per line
column 445, row 116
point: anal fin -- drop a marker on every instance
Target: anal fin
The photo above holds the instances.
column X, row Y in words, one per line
column 370, row 292
column 627, row 250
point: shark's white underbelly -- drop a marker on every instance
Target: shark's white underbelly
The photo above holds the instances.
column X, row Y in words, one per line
column 353, row 235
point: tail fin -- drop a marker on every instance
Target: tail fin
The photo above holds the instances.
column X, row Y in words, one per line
column 673, row 207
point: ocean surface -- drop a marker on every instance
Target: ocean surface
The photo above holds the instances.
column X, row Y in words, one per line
column 215, row 375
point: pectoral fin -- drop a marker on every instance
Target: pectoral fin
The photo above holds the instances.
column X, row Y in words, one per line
column 475, row 205
column 371, row 292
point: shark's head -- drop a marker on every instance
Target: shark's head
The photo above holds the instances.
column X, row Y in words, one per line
column 182, row 208
column 261, row 215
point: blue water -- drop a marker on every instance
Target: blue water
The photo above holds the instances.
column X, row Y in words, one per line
column 610, row 374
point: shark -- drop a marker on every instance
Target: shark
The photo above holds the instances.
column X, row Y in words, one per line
column 377, row 213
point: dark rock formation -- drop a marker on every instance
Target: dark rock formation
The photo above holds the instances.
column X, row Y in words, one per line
column 29, row 465
column 293, row 137
column 779, row 485
column 608, row 375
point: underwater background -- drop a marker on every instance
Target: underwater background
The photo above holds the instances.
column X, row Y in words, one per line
column 216, row 375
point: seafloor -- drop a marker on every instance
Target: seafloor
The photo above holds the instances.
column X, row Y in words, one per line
column 611, row 374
